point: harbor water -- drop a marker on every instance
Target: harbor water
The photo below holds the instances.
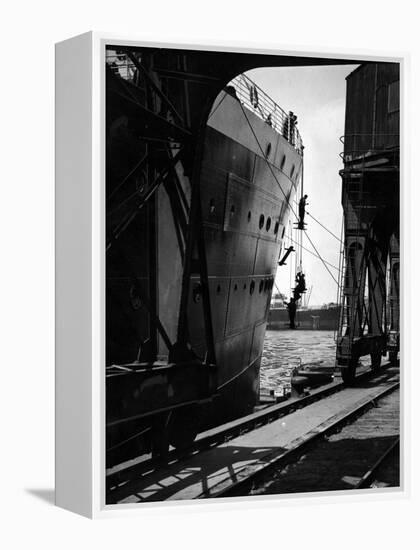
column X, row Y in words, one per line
column 286, row 349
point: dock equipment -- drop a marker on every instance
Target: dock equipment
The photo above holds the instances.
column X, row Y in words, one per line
column 369, row 285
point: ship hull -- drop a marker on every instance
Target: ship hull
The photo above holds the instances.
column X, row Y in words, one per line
column 248, row 175
column 244, row 202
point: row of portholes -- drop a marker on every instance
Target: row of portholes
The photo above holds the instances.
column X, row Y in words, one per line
column 264, row 285
column 261, row 223
column 267, row 224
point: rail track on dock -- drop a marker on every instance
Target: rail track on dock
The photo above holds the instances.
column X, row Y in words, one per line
column 149, row 480
column 374, row 476
column 343, row 453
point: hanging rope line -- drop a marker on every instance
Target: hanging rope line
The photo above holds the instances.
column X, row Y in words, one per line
column 320, row 257
column 323, row 226
column 340, row 277
column 268, row 164
column 278, row 290
column 284, row 194
column 290, row 269
column 310, row 252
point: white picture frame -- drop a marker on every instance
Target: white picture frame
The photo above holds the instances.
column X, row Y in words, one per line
column 80, row 265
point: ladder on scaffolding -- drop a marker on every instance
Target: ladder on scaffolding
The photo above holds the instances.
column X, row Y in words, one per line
column 355, row 336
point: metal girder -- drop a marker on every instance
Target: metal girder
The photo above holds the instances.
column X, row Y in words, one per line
column 152, row 125
column 370, row 217
column 195, row 238
column 155, row 88
column 144, row 119
column 143, row 200
column 183, row 75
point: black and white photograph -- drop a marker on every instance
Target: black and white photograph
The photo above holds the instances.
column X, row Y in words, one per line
column 209, row 284
column 252, row 286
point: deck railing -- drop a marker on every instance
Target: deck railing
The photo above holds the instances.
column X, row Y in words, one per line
column 261, row 104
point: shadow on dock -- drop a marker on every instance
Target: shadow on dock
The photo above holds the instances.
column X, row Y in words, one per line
column 335, row 465
column 192, row 477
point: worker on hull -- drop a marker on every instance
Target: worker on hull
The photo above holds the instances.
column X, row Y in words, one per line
column 302, row 206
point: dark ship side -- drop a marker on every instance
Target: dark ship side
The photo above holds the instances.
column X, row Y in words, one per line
column 189, row 269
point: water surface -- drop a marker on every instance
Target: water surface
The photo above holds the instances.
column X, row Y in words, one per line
column 286, row 349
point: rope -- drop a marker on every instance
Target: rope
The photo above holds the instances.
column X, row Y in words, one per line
column 290, row 270
column 320, row 257
column 326, row 228
column 310, row 252
column 284, row 194
column 268, row 164
column 340, row 286
column 288, row 201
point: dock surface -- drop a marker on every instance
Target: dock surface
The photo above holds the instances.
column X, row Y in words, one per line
column 208, row 472
column 342, row 458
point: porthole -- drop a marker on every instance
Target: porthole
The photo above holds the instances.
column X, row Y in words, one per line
column 276, row 228
column 268, row 150
column 197, row 293
column 244, row 286
column 235, row 287
column 268, row 224
column 232, row 210
column 283, row 162
column 249, row 216
column 218, row 289
column 135, row 299
column 262, row 219
column 252, row 287
column 261, row 286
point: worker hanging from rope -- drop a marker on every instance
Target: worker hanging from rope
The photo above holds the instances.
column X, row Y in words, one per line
column 302, row 205
column 300, row 287
column 298, row 290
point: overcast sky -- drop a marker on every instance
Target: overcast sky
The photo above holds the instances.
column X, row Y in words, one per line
column 317, row 96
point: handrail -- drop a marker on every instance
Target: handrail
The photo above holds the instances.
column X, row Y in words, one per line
column 260, row 103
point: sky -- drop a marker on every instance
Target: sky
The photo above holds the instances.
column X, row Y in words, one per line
column 317, row 96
